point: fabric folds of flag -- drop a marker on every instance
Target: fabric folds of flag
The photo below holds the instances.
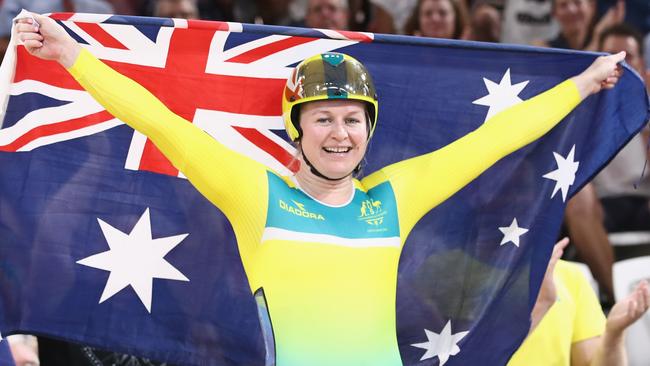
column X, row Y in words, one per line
column 82, row 196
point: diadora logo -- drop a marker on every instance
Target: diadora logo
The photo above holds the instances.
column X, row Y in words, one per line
column 299, row 209
column 372, row 212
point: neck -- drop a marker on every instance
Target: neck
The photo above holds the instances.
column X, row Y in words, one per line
column 330, row 192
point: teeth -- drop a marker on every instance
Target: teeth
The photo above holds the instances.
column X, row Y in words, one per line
column 337, row 149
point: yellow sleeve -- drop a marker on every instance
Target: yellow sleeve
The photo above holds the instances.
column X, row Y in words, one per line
column 422, row 182
column 228, row 179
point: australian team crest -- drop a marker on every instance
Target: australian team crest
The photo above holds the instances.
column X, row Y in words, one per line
column 372, row 212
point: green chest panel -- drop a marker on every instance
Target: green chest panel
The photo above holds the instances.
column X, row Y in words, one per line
column 371, row 214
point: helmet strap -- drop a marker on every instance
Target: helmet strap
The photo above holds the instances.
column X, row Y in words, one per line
column 321, row 175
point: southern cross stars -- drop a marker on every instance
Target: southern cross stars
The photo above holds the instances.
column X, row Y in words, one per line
column 135, row 259
column 442, row 345
column 512, row 233
column 565, row 174
column 500, row 96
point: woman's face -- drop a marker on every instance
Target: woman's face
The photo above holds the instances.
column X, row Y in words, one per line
column 437, row 19
column 334, row 135
column 574, row 15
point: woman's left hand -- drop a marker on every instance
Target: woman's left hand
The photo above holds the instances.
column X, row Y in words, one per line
column 603, row 73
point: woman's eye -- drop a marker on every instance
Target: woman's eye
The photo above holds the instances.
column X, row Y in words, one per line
column 323, row 120
column 352, row 121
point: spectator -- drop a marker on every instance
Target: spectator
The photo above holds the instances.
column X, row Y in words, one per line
column 623, row 207
column 637, row 13
column 327, row 14
column 569, row 327
column 398, row 10
column 181, row 9
column 275, row 12
column 369, row 16
column 525, row 21
column 623, row 37
column 578, row 27
column 438, row 18
column 485, row 23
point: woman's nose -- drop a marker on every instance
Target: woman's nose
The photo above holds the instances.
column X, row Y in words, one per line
column 338, row 130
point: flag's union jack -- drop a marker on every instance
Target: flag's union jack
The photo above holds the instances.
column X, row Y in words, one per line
column 155, row 55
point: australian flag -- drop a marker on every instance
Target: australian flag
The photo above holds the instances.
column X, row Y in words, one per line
column 85, row 200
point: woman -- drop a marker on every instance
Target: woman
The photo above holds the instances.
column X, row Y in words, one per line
column 320, row 248
column 578, row 27
column 439, row 19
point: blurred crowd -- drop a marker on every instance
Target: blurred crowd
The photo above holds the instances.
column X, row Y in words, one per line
column 573, row 24
column 617, row 200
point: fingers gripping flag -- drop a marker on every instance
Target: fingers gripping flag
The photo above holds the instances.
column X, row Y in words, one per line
column 86, row 203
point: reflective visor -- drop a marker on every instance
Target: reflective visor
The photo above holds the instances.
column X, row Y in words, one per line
column 335, row 79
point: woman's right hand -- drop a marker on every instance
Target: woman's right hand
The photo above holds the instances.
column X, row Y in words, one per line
column 47, row 40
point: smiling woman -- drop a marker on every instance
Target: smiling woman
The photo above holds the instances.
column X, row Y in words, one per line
column 320, row 248
column 335, row 137
column 329, row 108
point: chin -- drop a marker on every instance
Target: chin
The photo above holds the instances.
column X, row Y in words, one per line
column 338, row 170
column 338, row 173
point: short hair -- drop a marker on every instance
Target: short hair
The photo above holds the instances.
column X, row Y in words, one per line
column 461, row 19
column 622, row 30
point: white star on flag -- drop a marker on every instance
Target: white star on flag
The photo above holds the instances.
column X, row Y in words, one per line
column 512, row 233
column 500, row 96
column 565, row 174
column 442, row 345
column 135, row 259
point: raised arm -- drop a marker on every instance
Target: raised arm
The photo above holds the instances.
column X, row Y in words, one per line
column 423, row 182
column 228, row 179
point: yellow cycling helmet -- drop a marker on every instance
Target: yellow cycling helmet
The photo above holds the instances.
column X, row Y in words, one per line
column 329, row 75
